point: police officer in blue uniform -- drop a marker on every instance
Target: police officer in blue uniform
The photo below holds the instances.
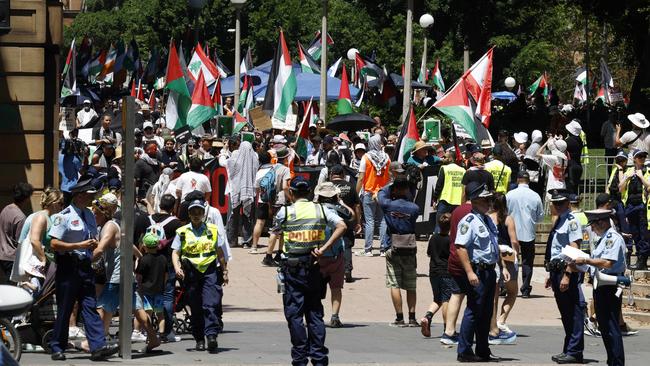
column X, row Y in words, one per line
column 74, row 234
column 478, row 251
column 564, row 277
column 302, row 226
column 608, row 257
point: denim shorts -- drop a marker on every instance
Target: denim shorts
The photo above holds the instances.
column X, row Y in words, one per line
column 109, row 299
column 153, row 303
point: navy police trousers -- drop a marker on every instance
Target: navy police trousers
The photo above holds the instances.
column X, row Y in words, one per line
column 204, row 296
column 302, row 304
column 572, row 313
column 476, row 319
column 608, row 312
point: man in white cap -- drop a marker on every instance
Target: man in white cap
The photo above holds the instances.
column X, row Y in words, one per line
column 574, row 152
column 521, row 139
column 150, row 135
column 556, row 162
column 86, row 114
column 638, row 138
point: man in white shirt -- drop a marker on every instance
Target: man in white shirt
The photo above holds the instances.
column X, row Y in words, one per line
column 150, row 135
column 86, row 114
column 637, row 139
column 193, row 180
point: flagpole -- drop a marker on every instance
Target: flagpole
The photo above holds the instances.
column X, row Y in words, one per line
column 408, row 55
column 323, row 65
column 587, row 87
column 237, row 54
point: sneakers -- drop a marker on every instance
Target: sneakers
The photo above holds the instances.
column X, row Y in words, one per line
column 269, row 262
column 504, row 327
column 503, row 338
column 382, row 253
column 363, row 253
column 335, row 322
column 591, row 329
column 397, row 323
column 626, row 331
column 413, row 323
column 253, row 251
column 348, row 277
column 76, row 333
column 137, row 336
column 449, row 340
column 425, row 327
column 170, row 338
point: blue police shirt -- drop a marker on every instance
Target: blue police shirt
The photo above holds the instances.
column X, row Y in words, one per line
column 568, row 230
column 611, row 247
column 478, row 235
column 73, row 225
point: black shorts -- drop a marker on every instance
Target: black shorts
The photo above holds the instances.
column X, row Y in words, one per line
column 262, row 211
column 443, row 286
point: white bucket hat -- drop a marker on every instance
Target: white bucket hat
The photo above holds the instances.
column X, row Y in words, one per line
column 536, row 136
column 638, row 119
column 560, row 148
column 574, row 128
column 521, row 137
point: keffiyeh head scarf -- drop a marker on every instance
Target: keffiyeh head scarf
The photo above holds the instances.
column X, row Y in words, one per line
column 377, row 156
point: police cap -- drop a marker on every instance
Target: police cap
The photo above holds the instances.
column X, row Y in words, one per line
column 196, row 203
column 598, row 215
column 299, row 184
column 477, row 190
column 559, row 194
column 84, row 185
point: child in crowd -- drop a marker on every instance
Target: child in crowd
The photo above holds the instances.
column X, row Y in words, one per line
column 151, row 273
column 442, row 284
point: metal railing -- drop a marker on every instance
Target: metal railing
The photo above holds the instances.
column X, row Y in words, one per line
column 594, row 179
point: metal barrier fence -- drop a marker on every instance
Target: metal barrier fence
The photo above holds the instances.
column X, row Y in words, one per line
column 595, row 174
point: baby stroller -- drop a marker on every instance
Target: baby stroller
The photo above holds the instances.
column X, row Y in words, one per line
column 37, row 326
column 182, row 324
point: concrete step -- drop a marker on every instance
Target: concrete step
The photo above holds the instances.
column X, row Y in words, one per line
column 639, row 289
column 642, row 303
column 642, row 275
column 638, row 316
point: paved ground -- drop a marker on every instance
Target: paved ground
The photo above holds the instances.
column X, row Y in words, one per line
column 256, row 332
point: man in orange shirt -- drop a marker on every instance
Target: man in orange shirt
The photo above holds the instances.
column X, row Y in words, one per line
column 373, row 176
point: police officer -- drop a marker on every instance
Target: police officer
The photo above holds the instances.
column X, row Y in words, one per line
column 196, row 250
column 564, row 278
column 302, row 226
column 73, row 234
column 478, row 251
column 618, row 196
column 449, row 189
column 636, row 181
column 608, row 257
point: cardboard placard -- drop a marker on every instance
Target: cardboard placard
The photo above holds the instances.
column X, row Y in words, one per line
column 69, row 121
column 182, row 135
column 259, row 119
column 277, row 124
column 224, row 126
column 291, row 122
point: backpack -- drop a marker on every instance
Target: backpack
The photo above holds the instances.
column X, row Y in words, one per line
column 158, row 228
column 268, row 189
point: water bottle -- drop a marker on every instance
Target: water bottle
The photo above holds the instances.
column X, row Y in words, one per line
column 280, row 281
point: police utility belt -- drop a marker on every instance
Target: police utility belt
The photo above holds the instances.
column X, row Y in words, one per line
column 296, row 262
column 76, row 259
column 483, row 266
column 555, row 265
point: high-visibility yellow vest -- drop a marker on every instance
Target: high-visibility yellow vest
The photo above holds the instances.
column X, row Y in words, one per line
column 452, row 190
column 303, row 227
column 201, row 251
column 501, row 174
column 584, row 154
column 608, row 189
column 624, row 194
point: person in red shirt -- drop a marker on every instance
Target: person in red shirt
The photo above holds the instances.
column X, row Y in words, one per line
column 450, row 337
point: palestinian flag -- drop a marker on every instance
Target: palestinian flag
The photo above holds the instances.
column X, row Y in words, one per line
column 119, row 59
column 316, row 47
column 455, row 105
column 602, row 95
column 201, row 62
column 223, row 70
column 239, row 121
column 581, row 75
column 140, row 94
column 202, row 107
column 160, row 83
column 282, row 86
column 132, row 60
column 368, row 70
column 540, row 83
column 179, row 100
column 408, row 137
column 152, row 100
column 216, row 98
column 437, row 78
column 344, row 104
column 307, row 64
column 247, row 62
column 331, row 72
column 389, row 91
column 151, row 70
column 84, row 55
column 182, row 63
column 134, row 92
column 106, row 74
column 69, row 86
column 246, row 101
column 303, row 132
column 579, row 93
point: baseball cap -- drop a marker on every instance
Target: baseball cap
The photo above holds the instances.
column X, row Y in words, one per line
column 299, row 184
column 639, row 152
column 602, row 199
column 196, row 203
column 150, row 240
column 146, row 125
column 328, row 139
column 360, row 146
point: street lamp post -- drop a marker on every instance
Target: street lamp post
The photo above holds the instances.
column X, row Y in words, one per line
column 237, row 4
column 426, row 21
column 196, row 6
column 408, row 55
column 323, row 65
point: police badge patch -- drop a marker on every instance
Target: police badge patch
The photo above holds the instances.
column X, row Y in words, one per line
column 573, row 226
column 463, row 229
column 57, row 220
column 609, row 244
